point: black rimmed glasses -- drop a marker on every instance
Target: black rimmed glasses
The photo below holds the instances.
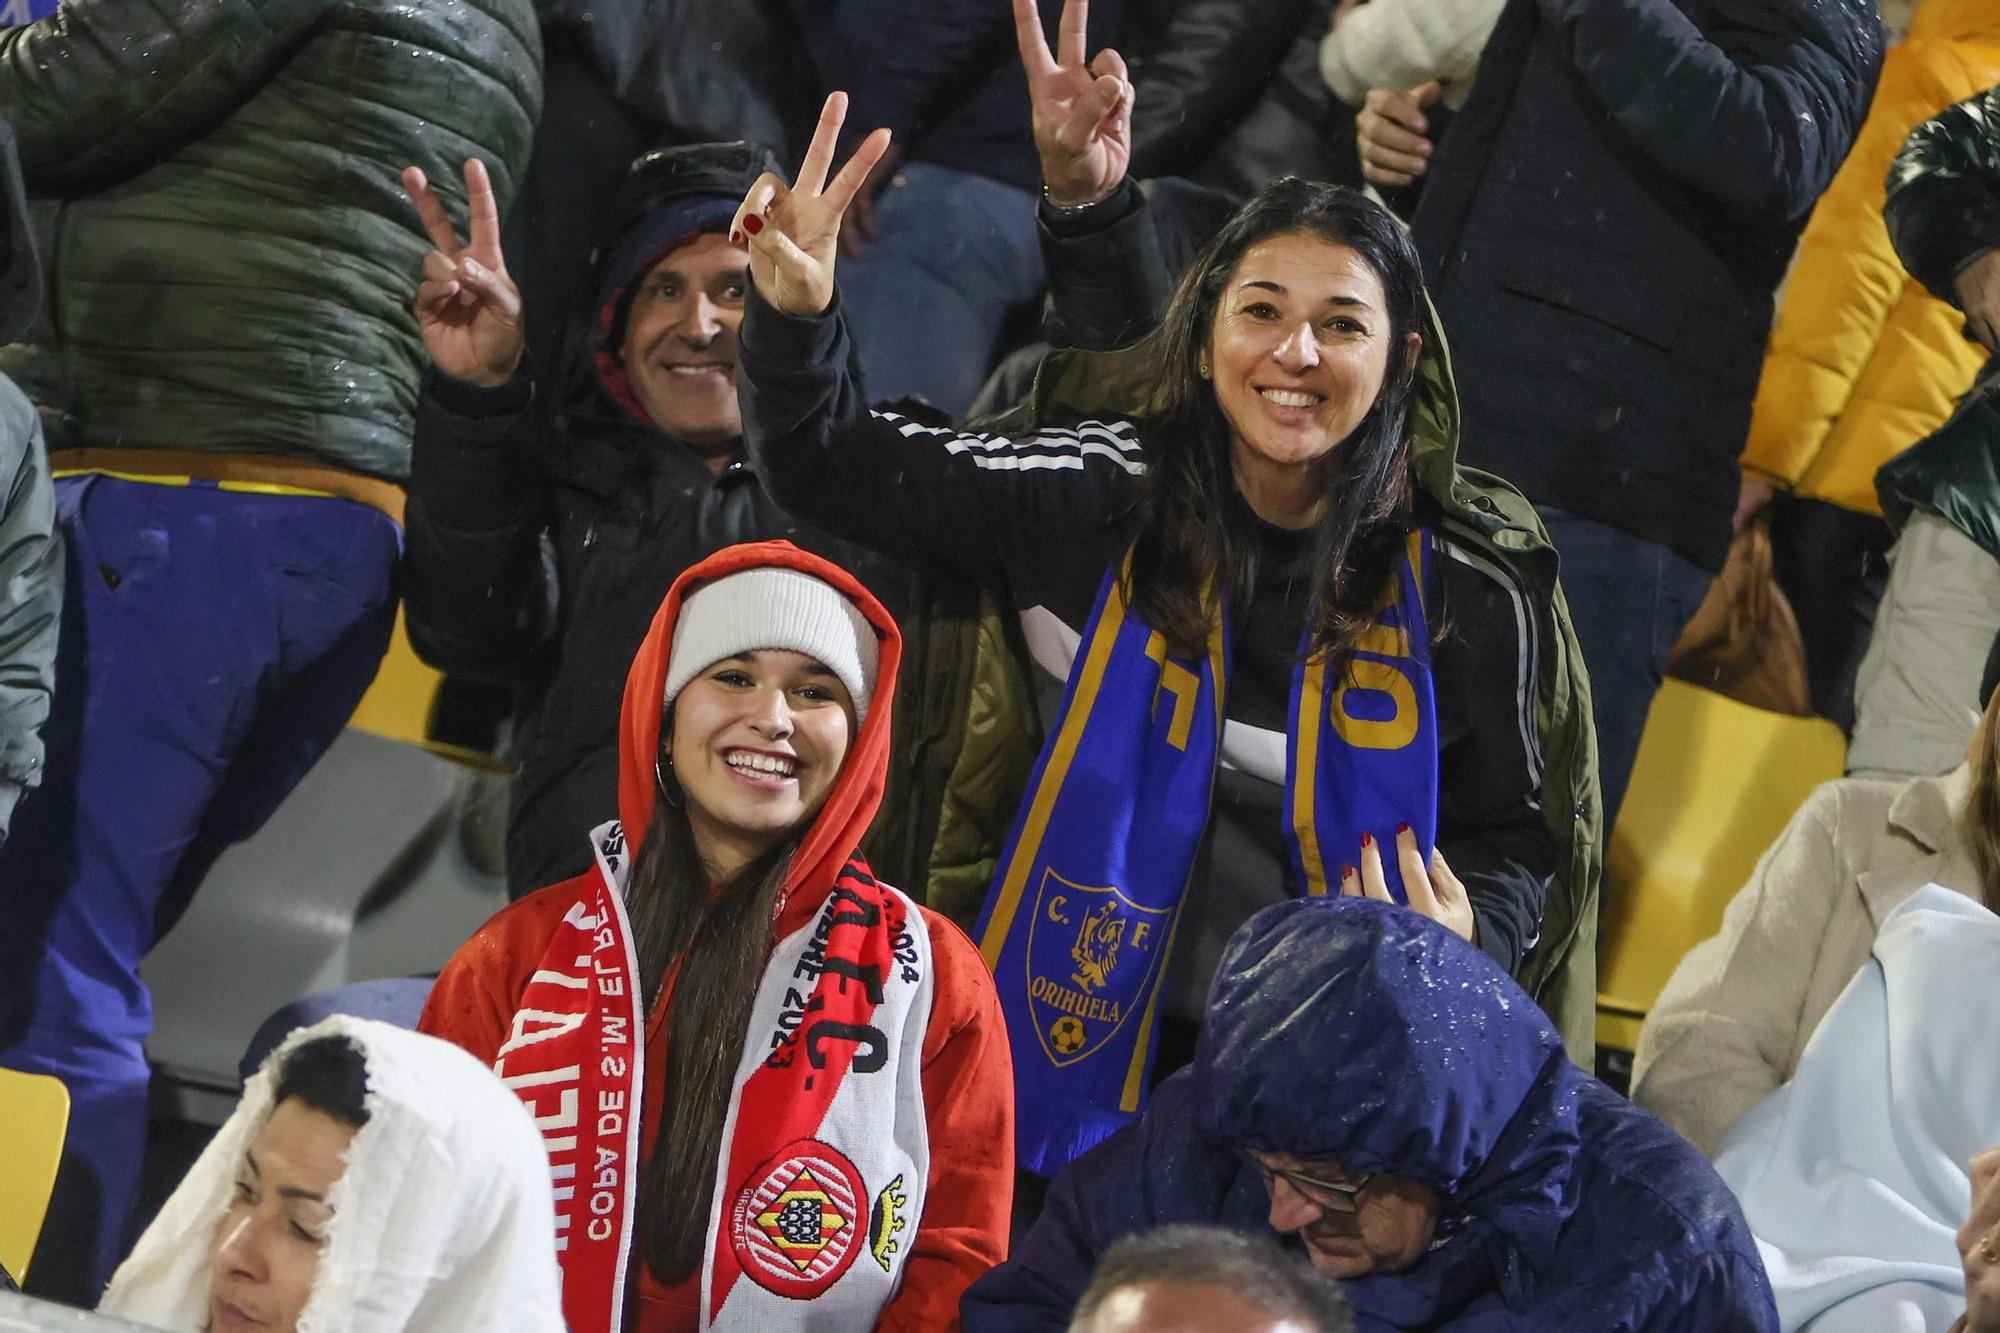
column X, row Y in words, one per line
column 1334, row 1196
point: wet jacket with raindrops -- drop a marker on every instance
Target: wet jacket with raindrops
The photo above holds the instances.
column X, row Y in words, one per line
column 1602, row 228
column 1354, row 1030
column 230, row 255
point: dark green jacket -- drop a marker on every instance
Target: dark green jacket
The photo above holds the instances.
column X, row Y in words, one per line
column 1560, row 971
column 1943, row 211
column 230, row 257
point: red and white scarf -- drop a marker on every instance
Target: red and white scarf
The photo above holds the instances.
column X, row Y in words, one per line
column 826, row 1154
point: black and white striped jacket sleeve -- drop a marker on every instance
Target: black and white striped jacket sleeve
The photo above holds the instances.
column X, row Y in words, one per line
column 978, row 506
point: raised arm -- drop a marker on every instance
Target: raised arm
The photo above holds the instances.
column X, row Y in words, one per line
column 980, row 505
column 479, row 596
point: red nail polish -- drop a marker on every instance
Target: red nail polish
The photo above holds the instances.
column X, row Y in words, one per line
column 752, row 223
column 1346, row 873
column 1367, row 840
column 735, row 237
column 1401, row 829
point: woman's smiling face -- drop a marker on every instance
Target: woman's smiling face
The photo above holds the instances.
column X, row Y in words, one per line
column 757, row 742
column 1299, row 350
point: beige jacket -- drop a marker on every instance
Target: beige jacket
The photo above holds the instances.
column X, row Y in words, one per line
column 1730, row 1024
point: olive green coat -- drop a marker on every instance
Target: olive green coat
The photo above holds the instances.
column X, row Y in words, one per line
column 230, row 257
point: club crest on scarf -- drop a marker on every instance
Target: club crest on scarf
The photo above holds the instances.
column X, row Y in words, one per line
column 798, row 1225
column 1080, row 941
column 1080, row 921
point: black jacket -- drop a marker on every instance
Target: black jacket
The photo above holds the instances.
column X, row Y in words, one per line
column 537, row 551
column 944, row 75
column 1229, row 94
column 1943, row 212
column 1602, row 229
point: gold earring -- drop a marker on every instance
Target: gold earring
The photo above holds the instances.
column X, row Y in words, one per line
column 1201, row 367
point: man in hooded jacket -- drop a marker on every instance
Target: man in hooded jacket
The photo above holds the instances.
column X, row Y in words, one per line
column 549, row 513
column 1381, row 1094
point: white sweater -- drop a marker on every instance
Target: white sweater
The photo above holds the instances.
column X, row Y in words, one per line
column 1404, row 43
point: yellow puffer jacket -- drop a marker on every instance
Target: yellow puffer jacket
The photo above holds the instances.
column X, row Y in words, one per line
column 1864, row 362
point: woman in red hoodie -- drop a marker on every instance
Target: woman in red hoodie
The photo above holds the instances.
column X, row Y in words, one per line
column 775, row 1092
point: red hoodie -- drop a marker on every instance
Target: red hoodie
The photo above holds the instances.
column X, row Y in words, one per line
column 967, row 1075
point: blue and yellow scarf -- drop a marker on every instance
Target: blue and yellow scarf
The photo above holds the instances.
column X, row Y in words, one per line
column 1081, row 917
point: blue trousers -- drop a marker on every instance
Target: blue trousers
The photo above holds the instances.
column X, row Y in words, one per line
column 929, row 301
column 213, row 644
column 1629, row 599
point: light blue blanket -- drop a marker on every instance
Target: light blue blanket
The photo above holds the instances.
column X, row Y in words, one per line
column 1853, row 1175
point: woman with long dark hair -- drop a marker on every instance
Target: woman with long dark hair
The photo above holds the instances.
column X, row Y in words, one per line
column 773, row 1088
column 1291, row 630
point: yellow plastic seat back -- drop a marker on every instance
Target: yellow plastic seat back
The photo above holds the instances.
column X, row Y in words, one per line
column 34, row 1109
column 398, row 703
column 1715, row 783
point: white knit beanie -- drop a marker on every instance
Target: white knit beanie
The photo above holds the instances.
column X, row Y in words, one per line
column 774, row 607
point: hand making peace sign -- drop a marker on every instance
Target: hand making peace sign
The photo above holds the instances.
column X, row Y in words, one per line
column 1082, row 113
column 468, row 310
column 793, row 231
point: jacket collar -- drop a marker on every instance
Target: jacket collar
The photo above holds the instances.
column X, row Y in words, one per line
column 1924, row 813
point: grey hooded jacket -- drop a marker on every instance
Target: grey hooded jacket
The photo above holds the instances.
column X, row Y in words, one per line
column 31, row 552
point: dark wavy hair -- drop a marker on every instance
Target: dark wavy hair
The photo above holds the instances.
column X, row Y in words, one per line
column 1197, row 537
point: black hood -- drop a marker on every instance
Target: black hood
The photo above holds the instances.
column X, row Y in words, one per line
column 666, row 193
column 20, row 274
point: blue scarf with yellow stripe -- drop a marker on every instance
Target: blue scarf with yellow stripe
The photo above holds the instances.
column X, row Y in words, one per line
column 1081, row 917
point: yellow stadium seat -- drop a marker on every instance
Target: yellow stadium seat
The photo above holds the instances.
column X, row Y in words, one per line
column 1716, row 782
column 34, row 1109
column 398, row 704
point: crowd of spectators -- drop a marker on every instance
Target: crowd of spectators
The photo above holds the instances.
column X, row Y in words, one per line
column 1070, row 594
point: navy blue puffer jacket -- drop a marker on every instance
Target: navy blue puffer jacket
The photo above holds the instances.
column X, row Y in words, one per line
column 1350, row 1029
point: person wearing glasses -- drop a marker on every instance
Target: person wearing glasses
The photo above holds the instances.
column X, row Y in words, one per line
column 1381, row 1096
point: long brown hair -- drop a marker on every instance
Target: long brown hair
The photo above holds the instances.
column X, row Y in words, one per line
column 1979, row 821
column 713, row 940
column 1197, row 538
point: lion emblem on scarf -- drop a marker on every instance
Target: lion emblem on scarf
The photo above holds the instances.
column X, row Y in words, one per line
column 1095, row 952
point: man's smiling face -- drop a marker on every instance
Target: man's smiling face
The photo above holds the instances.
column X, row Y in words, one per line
column 679, row 350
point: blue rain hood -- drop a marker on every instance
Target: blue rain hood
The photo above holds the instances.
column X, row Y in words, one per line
column 1357, row 1030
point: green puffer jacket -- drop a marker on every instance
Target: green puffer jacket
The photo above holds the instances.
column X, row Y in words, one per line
column 230, row 255
column 1560, row 971
column 1943, row 211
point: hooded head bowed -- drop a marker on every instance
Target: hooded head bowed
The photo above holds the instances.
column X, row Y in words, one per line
column 1359, row 1031
column 857, row 793
column 442, row 1220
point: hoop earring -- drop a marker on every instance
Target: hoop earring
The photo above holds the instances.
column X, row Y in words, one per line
column 660, row 767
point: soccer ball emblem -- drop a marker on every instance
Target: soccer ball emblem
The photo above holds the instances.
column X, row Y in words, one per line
column 1066, row 1035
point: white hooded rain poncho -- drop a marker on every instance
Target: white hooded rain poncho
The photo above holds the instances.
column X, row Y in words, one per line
column 444, row 1219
